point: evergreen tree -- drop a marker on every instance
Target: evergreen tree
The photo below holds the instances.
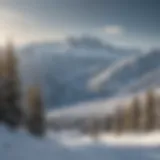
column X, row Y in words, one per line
column 135, row 115
column 158, row 113
column 108, row 123
column 11, row 92
column 1, row 89
column 119, row 121
column 150, row 112
column 93, row 126
column 2, row 67
column 36, row 119
column 127, row 119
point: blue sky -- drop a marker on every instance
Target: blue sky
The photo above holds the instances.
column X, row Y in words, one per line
column 121, row 22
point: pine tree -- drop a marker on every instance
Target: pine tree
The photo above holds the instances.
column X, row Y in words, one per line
column 93, row 127
column 127, row 119
column 135, row 115
column 11, row 92
column 150, row 112
column 119, row 121
column 36, row 119
column 108, row 123
column 1, row 89
column 158, row 113
column 2, row 67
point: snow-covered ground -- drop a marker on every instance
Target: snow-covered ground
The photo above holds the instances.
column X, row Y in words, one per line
column 130, row 139
column 73, row 146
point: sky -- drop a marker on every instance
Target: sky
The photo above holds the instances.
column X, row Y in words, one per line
column 134, row 23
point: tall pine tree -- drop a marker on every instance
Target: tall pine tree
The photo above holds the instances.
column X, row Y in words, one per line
column 158, row 112
column 135, row 115
column 2, row 108
column 108, row 123
column 127, row 119
column 118, row 123
column 11, row 92
column 150, row 111
column 36, row 119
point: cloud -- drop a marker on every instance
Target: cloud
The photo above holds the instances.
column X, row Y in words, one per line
column 113, row 30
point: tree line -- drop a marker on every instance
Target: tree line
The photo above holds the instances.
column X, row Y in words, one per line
column 12, row 111
column 141, row 115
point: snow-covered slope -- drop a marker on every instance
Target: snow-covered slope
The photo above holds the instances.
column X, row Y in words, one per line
column 19, row 145
column 96, row 109
column 73, row 146
column 88, row 109
column 151, row 80
column 120, row 76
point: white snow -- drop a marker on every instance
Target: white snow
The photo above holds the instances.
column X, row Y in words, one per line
column 75, row 139
column 131, row 139
column 99, row 80
column 19, row 145
column 98, row 108
column 71, row 139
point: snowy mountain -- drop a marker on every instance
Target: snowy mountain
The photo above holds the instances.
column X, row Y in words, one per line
column 123, row 80
column 84, row 46
column 132, row 74
column 64, row 69
column 151, row 80
column 79, row 71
